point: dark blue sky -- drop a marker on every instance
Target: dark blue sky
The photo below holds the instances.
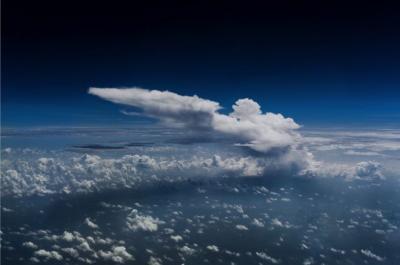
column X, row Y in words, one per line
column 318, row 63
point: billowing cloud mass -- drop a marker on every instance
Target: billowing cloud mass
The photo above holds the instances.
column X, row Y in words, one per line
column 136, row 221
column 271, row 135
column 247, row 124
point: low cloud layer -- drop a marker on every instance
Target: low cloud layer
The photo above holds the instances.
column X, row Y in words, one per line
column 90, row 173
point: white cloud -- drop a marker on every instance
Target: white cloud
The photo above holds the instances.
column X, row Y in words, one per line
column 213, row 248
column 269, row 133
column 71, row 251
column 154, row 261
column 258, row 223
column 136, row 221
column 84, row 246
column 247, row 124
column 67, row 236
column 48, row 254
column 365, row 170
column 117, row 254
column 170, row 107
column 266, row 257
column 176, row 238
column 277, row 222
column 276, row 149
column 90, row 223
column 272, row 135
column 187, row 250
column 241, row 227
column 30, row 245
column 371, row 255
column 87, row 173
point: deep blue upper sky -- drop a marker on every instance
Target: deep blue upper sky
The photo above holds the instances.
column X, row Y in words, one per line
column 318, row 63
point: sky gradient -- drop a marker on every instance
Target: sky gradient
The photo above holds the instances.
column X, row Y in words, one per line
column 169, row 132
column 319, row 64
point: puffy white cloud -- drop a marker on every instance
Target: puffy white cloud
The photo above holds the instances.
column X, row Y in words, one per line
column 277, row 222
column 48, row 254
column 176, row 238
column 71, row 251
column 257, row 222
column 136, row 221
column 30, row 245
column 87, row 173
column 271, row 134
column 213, row 248
column 247, row 124
column 90, row 223
column 117, row 254
column 67, row 236
column 187, row 250
column 84, row 246
column 241, row 227
column 154, row 261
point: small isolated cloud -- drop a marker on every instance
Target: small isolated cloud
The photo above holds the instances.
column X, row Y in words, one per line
column 257, row 222
column 118, row 254
column 154, row 261
column 213, row 248
column 90, row 223
column 67, row 236
column 241, row 227
column 176, row 238
column 368, row 253
column 30, row 245
column 71, row 251
column 136, row 221
column 48, row 254
column 188, row 251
